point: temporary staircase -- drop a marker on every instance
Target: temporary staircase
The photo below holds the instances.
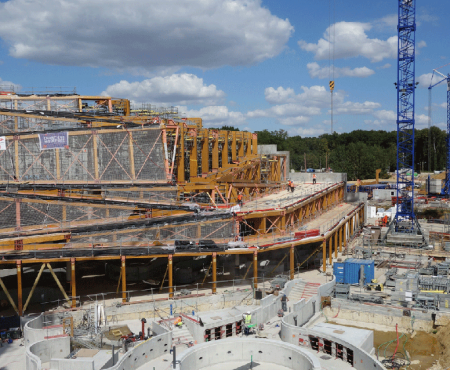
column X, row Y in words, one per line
column 303, row 289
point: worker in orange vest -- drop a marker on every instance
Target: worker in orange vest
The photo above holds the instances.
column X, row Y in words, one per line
column 292, row 186
column 239, row 199
column 289, row 185
column 314, row 178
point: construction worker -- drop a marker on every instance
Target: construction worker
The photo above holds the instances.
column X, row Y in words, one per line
column 289, row 185
column 292, row 186
column 247, row 322
column 314, row 178
column 284, row 300
column 239, row 199
column 247, row 318
column 178, row 322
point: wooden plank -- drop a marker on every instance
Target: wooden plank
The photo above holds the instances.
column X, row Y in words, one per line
column 131, row 155
column 34, row 287
column 57, row 282
column 8, row 295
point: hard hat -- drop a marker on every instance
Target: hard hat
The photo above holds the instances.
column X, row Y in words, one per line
column 248, row 312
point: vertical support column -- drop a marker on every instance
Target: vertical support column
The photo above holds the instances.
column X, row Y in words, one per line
column 170, row 267
column 336, row 244
column 224, row 148
column 58, row 165
column 255, row 144
column 19, row 287
column 124, row 280
column 292, row 268
column 73, row 282
column 215, row 151
column 340, row 238
column 95, row 150
column 181, row 167
column 324, row 255
column 110, row 106
column 214, row 272
column 345, row 233
column 255, row 269
column 193, row 164
column 241, row 146
column 205, row 153
column 330, row 250
column 16, row 158
column 233, row 146
column 166, row 154
column 131, row 155
column 351, row 225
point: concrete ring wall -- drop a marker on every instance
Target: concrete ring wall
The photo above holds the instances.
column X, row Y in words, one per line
column 242, row 349
column 301, row 336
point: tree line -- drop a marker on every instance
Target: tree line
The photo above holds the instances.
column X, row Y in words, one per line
column 358, row 153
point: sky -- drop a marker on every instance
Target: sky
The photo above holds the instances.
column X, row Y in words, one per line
column 252, row 64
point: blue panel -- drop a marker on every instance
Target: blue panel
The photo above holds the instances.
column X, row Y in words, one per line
column 338, row 271
column 352, row 270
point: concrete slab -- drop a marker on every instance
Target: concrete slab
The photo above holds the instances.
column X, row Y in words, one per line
column 358, row 337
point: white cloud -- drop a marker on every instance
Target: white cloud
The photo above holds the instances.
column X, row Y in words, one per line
column 324, row 72
column 8, row 86
column 214, row 116
column 421, row 44
column 426, row 79
column 184, row 89
column 389, row 117
column 387, row 65
column 351, row 40
column 306, row 131
column 356, row 108
column 142, row 36
column 314, row 96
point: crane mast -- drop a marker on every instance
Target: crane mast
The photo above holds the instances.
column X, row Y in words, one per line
column 405, row 220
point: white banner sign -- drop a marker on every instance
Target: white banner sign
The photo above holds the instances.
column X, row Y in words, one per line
column 2, row 143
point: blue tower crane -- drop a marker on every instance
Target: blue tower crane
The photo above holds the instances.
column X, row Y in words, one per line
column 405, row 117
column 446, row 189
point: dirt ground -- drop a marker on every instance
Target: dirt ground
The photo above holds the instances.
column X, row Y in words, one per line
column 424, row 349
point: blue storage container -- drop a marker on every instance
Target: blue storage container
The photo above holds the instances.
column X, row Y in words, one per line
column 352, row 270
column 338, row 271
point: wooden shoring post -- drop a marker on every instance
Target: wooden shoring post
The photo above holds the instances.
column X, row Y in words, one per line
column 205, row 152
column 11, row 301
column 58, row 282
column 241, row 146
column 255, row 270
column 19, row 287
column 193, row 160
column 330, row 250
column 18, row 223
column 351, row 226
column 292, row 262
column 224, row 134
column 124, row 279
column 255, row 144
column 166, row 154
column 34, row 287
column 95, row 152
column 249, row 144
column 58, row 165
column 344, row 232
column 233, row 146
column 73, row 282
column 336, row 244
column 131, row 155
column 324, row 254
column 170, row 264
column 215, row 150
column 16, row 155
column 180, row 162
column 340, row 237
column 278, row 164
column 283, row 222
column 214, row 272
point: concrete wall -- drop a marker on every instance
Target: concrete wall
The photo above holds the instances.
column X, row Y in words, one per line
column 300, row 336
column 68, row 364
column 322, row 177
column 146, row 351
column 356, row 197
column 377, row 314
column 272, row 149
column 243, row 349
column 51, row 348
